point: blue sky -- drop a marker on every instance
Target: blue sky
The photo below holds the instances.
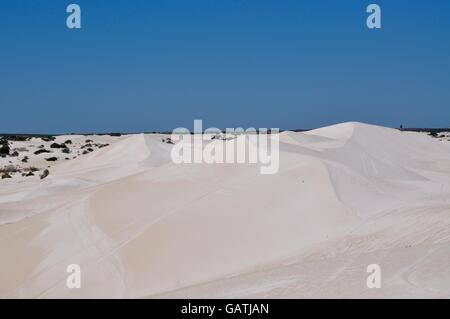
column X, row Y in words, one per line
column 140, row 65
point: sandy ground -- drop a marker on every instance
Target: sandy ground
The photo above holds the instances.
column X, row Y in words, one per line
column 140, row 226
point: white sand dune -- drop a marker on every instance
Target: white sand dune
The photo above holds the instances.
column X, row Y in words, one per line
column 140, row 226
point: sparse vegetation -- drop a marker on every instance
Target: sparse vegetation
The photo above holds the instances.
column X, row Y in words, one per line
column 11, row 170
column 16, row 138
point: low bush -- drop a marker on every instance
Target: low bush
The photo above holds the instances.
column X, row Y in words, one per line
column 48, row 138
column 41, row 151
column 56, row 145
column 9, row 169
column 6, row 175
column 4, row 149
column 45, row 173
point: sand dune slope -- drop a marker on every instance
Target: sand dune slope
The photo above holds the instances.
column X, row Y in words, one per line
column 345, row 196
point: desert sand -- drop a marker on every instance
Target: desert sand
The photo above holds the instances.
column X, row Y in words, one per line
column 140, row 226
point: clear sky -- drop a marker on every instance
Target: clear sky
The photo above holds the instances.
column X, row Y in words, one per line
column 152, row 65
